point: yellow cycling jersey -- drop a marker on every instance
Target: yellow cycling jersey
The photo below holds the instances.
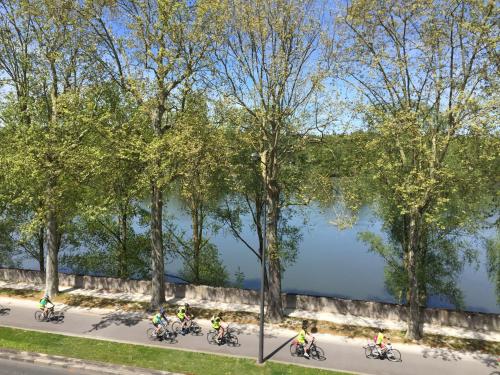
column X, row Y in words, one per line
column 215, row 322
column 380, row 338
column 301, row 337
column 181, row 313
column 156, row 319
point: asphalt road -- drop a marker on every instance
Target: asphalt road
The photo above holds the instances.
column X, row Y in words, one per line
column 341, row 354
column 22, row 368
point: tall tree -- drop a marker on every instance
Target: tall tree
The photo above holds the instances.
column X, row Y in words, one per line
column 425, row 70
column 17, row 65
column 271, row 65
column 162, row 45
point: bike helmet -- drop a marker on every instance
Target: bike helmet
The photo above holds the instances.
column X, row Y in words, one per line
column 305, row 324
column 186, row 305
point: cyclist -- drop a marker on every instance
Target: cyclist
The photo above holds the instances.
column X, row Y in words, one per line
column 305, row 339
column 184, row 316
column 158, row 319
column 381, row 341
column 43, row 305
column 216, row 324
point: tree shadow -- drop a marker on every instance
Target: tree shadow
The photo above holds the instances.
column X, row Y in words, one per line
column 4, row 311
column 117, row 318
column 489, row 360
column 275, row 351
column 441, row 353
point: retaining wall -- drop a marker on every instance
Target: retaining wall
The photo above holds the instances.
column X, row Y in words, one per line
column 369, row 309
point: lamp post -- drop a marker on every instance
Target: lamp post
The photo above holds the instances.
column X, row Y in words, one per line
column 256, row 157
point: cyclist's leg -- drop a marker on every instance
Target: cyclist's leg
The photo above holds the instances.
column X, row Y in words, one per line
column 220, row 333
column 305, row 348
column 308, row 345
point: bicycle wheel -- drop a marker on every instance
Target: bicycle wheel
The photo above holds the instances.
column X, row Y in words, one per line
column 57, row 317
column 369, row 352
column 232, row 340
column 211, row 337
column 39, row 316
column 177, row 327
column 170, row 336
column 294, row 349
column 393, row 355
column 317, row 353
column 150, row 332
column 195, row 329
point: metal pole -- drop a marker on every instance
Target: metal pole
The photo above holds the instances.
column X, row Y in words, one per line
column 262, row 279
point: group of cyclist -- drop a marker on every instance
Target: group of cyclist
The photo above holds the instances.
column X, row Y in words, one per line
column 184, row 315
column 305, row 339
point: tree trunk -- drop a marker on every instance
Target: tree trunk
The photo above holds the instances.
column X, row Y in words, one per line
column 414, row 313
column 122, row 255
column 41, row 249
column 157, row 263
column 53, row 236
column 275, row 305
column 53, row 243
column 196, row 243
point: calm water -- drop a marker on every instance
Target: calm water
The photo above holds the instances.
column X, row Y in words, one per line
column 331, row 262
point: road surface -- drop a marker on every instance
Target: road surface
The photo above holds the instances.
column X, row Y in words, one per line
column 22, row 368
column 341, row 353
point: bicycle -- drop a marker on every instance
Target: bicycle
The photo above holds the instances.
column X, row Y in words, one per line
column 372, row 351
column 228, row 338
column 315, row 352
column 163, row 334
column 49, row 316
column 192, row 327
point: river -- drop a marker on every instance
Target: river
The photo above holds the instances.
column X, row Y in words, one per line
column 331, row 261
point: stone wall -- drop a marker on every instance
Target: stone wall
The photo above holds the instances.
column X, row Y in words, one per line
column 374, row 310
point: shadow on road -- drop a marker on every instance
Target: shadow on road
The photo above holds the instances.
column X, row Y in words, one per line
column 441, row 353
column 4, row 311
column 489, row 360
column 273, row 353
column 117, row 318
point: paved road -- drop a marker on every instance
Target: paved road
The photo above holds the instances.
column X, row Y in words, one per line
column 341, row 353
column 22, row 368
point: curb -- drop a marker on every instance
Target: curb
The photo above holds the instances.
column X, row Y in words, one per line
column 76, row 364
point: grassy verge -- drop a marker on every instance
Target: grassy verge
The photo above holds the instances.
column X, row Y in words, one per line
column 143, row 356
column 242, row 317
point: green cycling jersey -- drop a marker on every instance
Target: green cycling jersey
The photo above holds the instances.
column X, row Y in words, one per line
column 215, row 322
column 181, row 313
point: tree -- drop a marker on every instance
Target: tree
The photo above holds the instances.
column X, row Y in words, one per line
column 112, row 192
column 17, row 65
column 199, row 147
column 425, row 72
column 163, row 45
column 493, row 265
column 271, row 66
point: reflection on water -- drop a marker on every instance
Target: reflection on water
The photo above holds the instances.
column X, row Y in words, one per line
column 332, row 262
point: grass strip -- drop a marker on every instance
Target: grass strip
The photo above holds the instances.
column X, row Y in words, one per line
column 243, row 317
column 191, row 363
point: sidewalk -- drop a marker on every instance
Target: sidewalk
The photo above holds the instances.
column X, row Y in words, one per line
column 329, row 317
